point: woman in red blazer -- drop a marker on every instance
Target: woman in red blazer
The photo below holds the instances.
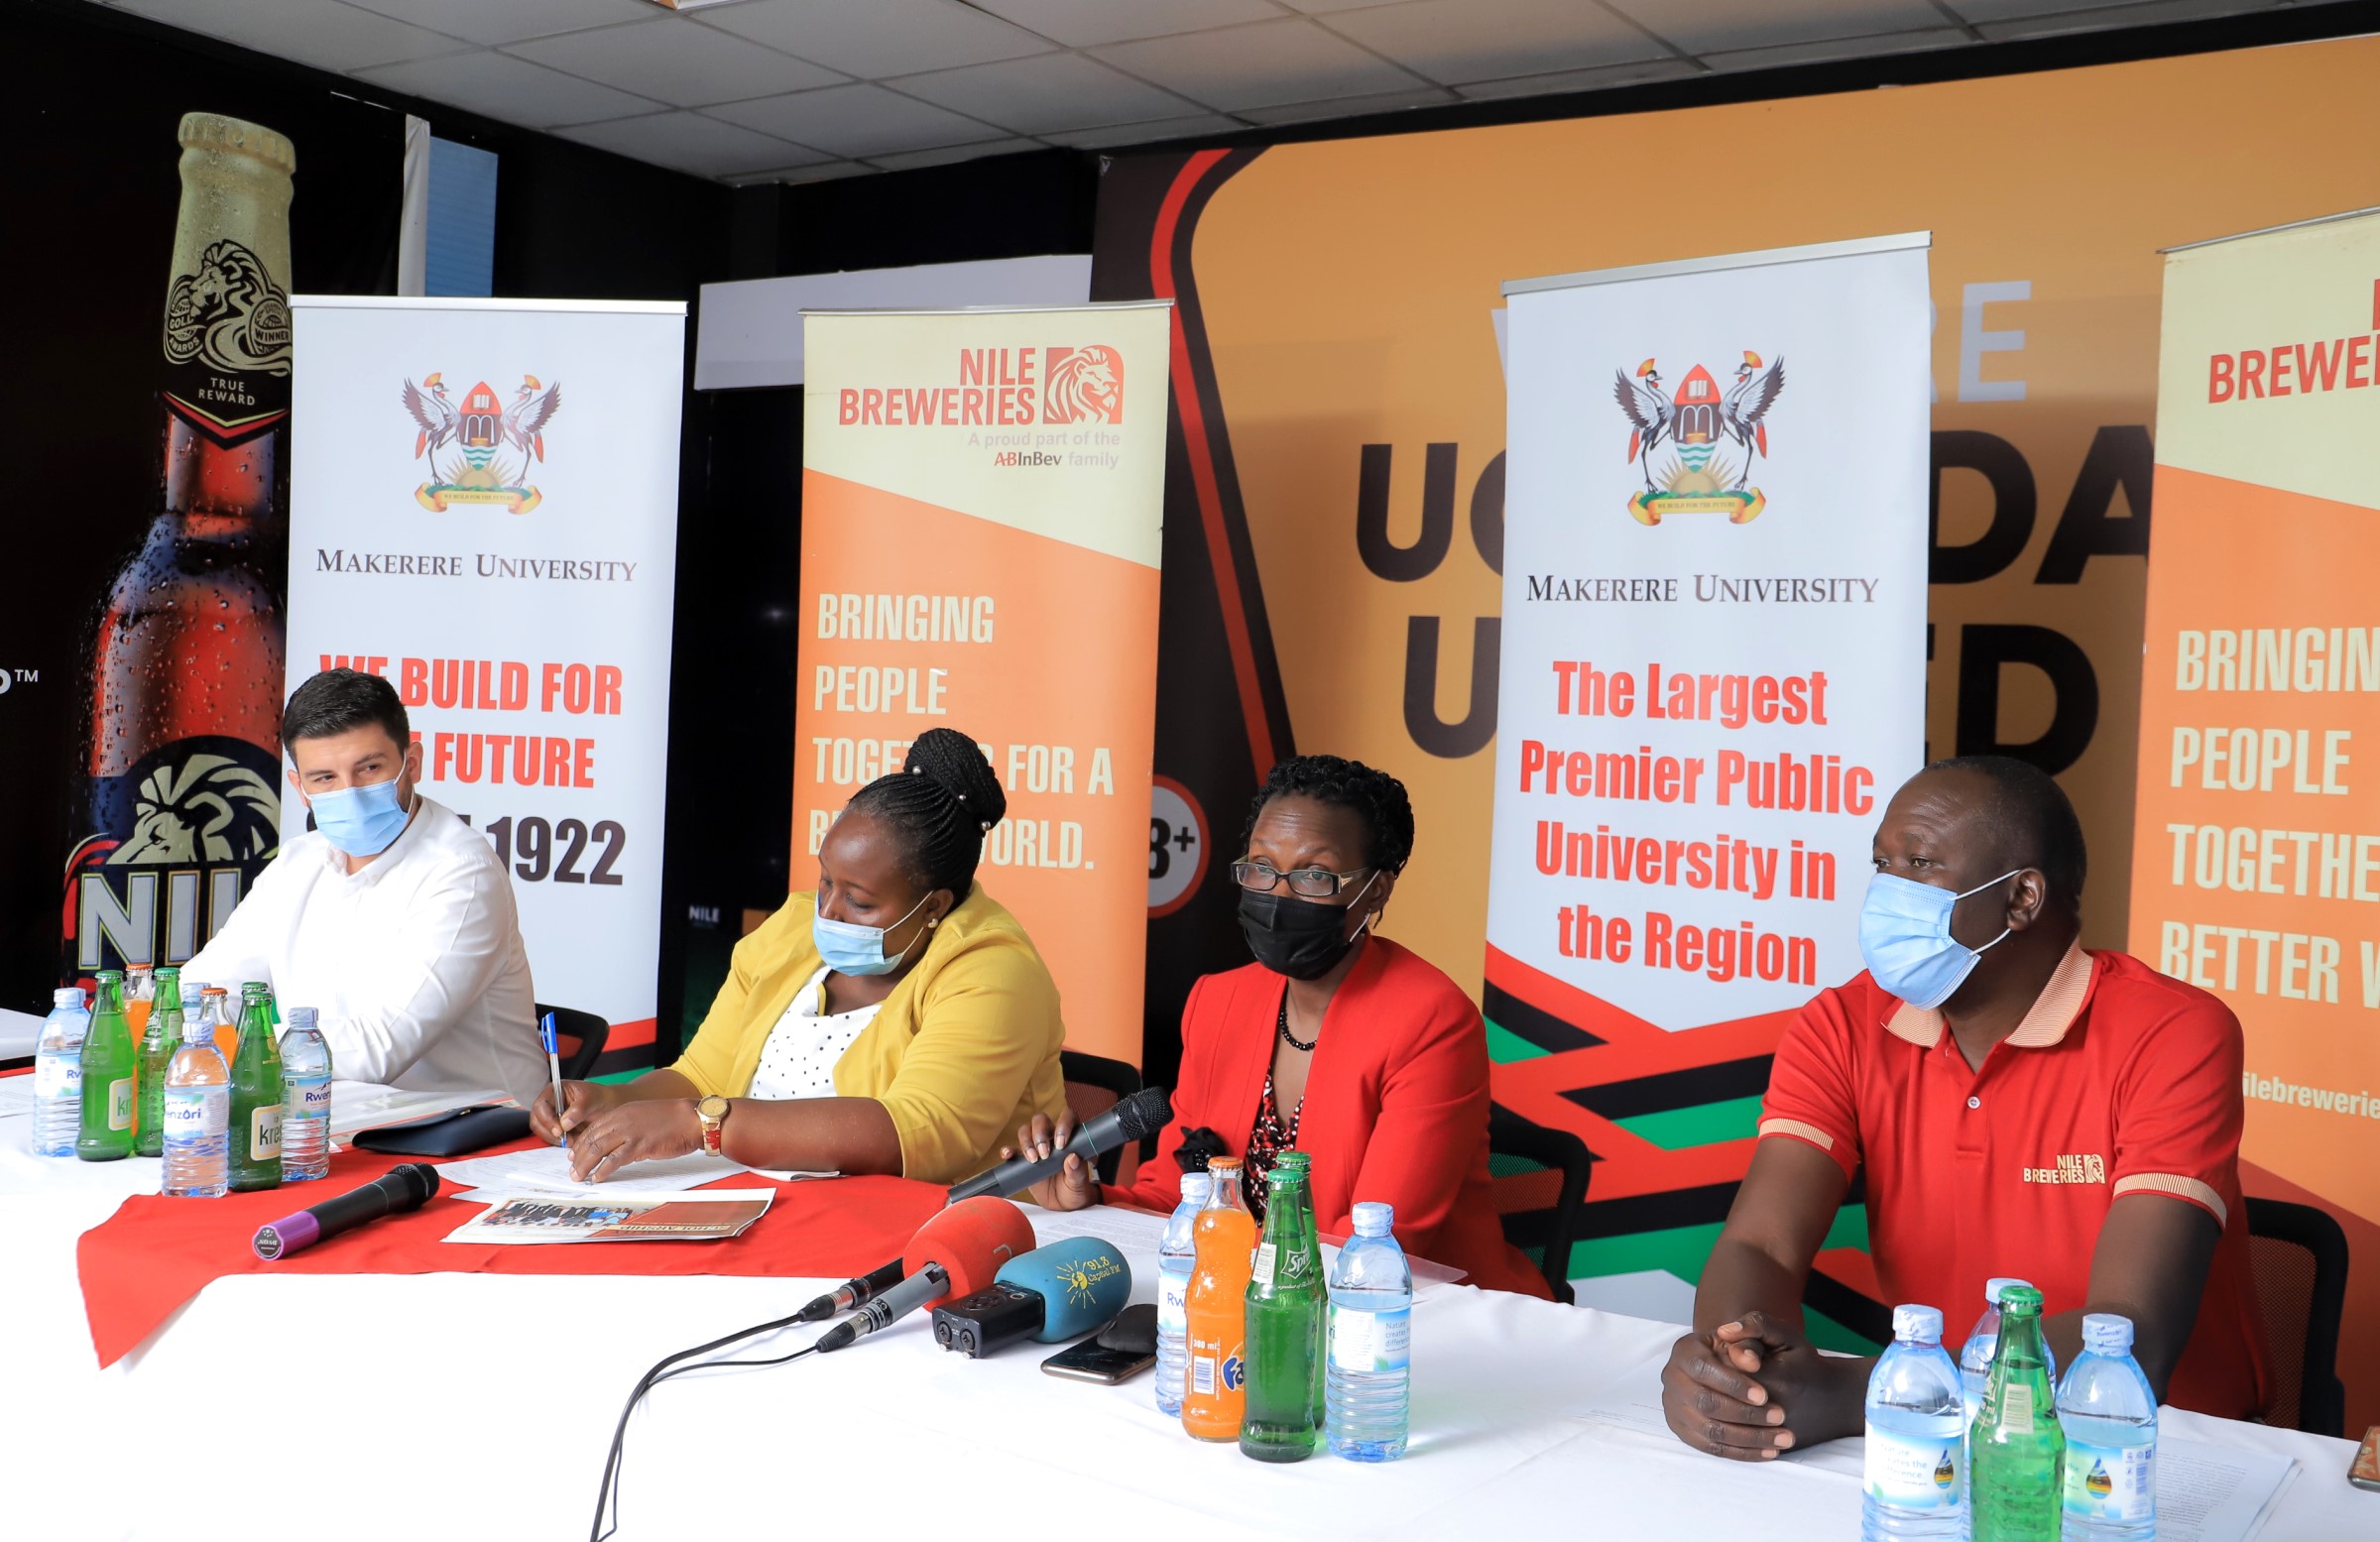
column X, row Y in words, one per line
column 1335, row 1042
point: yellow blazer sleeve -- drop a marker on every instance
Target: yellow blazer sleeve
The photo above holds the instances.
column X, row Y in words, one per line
column 711, row 1060
column 989, row 1026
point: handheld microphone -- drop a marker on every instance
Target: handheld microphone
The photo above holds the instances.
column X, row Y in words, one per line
column 852, row 1292
column 1142, row 1115
column 958, row 1252
column 1056, row 1292
column 405, row 1187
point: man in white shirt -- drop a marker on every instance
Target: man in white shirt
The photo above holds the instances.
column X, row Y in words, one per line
column 391, row 917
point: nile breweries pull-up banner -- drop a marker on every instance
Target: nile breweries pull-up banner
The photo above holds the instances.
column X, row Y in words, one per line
column 2256, row 868
column 981, row 507
column 484, row 511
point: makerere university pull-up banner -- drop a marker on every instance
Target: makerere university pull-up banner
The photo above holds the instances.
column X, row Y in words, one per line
column 484, row 509
column 1713, row 663
column 982, row 495
column 2256, row 857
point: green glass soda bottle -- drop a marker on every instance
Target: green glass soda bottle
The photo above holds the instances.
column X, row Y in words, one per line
column 2016, row 1452
column 110, row 1076
column 159, row 1040
column 1284, row 1324
column 255, row 1096
column 1305, row 1199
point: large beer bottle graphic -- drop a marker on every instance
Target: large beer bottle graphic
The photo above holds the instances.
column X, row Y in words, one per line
column 182, row 765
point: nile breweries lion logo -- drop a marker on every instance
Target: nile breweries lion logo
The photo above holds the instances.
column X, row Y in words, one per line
column 1083, row 385
column 203, row 809
column 229, row 315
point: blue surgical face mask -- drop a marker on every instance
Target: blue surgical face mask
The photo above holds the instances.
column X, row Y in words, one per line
column 1905, row 938
column 360, row 821
column 849, row 949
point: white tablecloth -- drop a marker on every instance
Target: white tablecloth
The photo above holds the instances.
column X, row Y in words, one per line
column 471, row 1406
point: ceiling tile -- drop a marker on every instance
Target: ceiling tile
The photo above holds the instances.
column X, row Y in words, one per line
column 673, row 61
column 1264, row 64
column 2149, row 15
column 1352, row 106
column 872, row 38
column 1325, row 6
column 1580, row 80
column 320, row 33
column 856, row 121
column 2012, row 10
column 691, row 142
column 1051, row 91
column 509, row 21
column 1706, row 26
column 1082, row 23
column 910, row 160
column 1484, row 40
column 511, row 91
column 1157, row 133
column 1839, row 47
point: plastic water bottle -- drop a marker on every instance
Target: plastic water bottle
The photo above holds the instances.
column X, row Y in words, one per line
column 198, row 1115
column 1177, row 1254
column 58, row 1074
column 2110, row 1419
column 1916, row 1437
column 1368, row 1387
column 305, row 1099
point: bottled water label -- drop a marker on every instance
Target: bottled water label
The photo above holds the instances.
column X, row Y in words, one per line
column 2110, row 1482
column 196, row 1113
column 1909, row 1473
column 1264, row 1262
column 119, row 1102
column 58, row 1076
column 263, row 1133
column 309, row 1098
column 1367, row 1343
column 1173, row 1304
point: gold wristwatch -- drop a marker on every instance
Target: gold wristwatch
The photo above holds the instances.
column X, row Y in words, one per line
column 712, row 1111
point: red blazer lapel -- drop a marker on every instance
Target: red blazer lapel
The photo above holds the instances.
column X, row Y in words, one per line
column 1243, row 1053
column 1343, row 1085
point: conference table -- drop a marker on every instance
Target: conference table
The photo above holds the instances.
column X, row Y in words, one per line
column 357, row 1406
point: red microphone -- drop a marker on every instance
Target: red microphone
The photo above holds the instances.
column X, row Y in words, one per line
column 956, row 1254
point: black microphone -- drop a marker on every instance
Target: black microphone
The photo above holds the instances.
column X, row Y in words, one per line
column 1142, row 1115
column 851, row 1293
column 405, row 1187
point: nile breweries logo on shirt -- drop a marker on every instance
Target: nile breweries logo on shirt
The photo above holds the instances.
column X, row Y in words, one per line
column 479, row 449
column 2085, row 1167
column 1712, row 438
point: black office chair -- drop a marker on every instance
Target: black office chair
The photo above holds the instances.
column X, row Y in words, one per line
column 580, row 1035
column 1509, row 1135
column 1093, row 1085
column 2299, row 1256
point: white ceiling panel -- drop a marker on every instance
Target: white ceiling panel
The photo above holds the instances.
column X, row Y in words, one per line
column 1456, row 40
column 1196, row 126
column 1050, row 91
column 320, row 33
column 1705, row 25
column 1580, row 80
column 691, row 142
column 512, row 90
column 1082, row 23
column 857, row 121
column 675, row 62
column 507, row 21
column 872, row 38
column 1265, row 64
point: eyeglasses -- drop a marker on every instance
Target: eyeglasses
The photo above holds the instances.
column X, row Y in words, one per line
column 1262, row 878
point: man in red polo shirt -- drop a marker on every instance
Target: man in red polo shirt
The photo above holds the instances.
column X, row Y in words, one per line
column 2020, row 1107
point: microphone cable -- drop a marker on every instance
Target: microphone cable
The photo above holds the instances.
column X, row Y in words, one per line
column 607, row 1496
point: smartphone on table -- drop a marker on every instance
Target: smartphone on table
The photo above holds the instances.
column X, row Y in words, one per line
column 1092, row 1361
column 2365, row 1473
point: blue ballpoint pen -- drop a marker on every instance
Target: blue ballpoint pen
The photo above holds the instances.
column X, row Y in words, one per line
column 553, row 1058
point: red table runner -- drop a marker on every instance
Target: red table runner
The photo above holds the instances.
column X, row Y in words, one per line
column 155, row 1253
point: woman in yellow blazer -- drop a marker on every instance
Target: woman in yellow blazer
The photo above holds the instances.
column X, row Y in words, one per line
column 898, row 1021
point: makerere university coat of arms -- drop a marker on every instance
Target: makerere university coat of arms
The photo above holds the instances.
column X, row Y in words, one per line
column 475, row 437
column 1698, row 423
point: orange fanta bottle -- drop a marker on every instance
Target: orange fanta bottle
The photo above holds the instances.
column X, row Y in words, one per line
column 1215, row 1387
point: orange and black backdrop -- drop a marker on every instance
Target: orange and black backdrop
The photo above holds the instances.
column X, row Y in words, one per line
column 1335, row 489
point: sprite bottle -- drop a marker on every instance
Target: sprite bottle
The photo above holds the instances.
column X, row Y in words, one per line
column 255, row 1096
column 110, row 1076
column 1305, row 1200
column 1284, row 1324
column 159, row 1040
column 2016, row 1452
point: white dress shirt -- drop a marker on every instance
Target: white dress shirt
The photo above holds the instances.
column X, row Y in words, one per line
column 414, row 961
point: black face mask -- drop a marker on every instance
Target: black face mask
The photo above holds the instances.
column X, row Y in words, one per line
column 1301, row 938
